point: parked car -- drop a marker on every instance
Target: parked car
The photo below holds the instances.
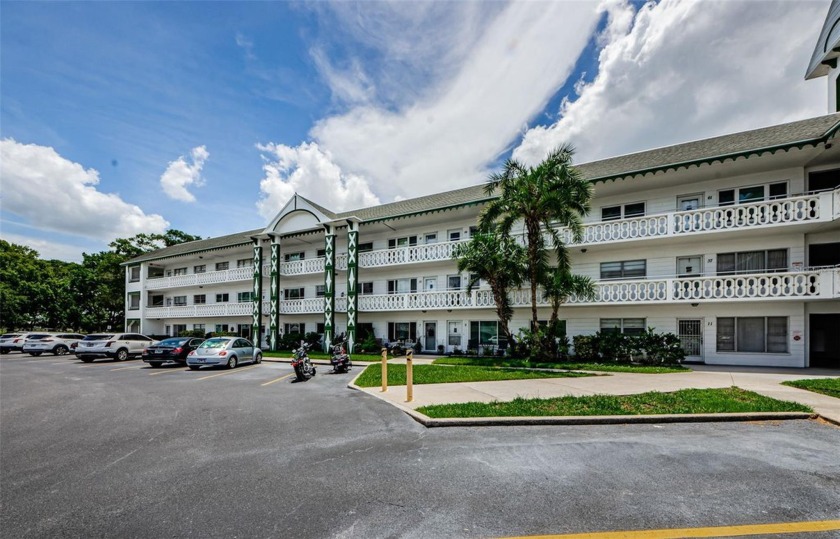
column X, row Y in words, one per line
column 229, row 351
column 170, row 351
column 11, row 342
column 57, row 344
column 118, row 346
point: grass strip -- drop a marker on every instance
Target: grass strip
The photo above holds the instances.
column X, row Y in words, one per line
column 685, row 401
column 826, row 386
column 437, row 374
column 525, row 364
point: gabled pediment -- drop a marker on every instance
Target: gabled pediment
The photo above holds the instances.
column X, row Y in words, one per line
column 299, row 215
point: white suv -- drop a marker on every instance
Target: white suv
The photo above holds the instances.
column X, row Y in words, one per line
column 57, row 344
column 119, row 346
column 11, row 342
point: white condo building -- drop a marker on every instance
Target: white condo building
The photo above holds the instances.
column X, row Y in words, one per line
column 732, row 243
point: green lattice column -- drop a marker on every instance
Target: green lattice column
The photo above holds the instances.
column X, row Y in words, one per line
column 329, row 286
column 274, row 295
column 352, row 281
column 257, row 294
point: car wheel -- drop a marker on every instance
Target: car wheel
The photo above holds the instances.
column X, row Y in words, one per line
column 122, row 354
column 36, row 354
column 258, row 358
column 87, row 359
column 4, row 351
column 60, row 350
column 231, row 364
column 155, row 364
column 194, row 367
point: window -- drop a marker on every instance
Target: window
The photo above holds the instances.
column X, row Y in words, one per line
column 454, row 329
column 402, row 331
column 778, row 190
column 199, row 299
column 293, row 293
column 134, row 274
column 366, row 289
column 752, row 262
column 244, row 297
column 200, row 269
column 133, row 302
column 627, row 326
column 473, row 231
column 291, row 257
column 365, row 247
column 610, row 213
column 155, row 272
column 177, row 329
column 294, row 328
column 179, row 271
column 483, row 333
column 245, row 263
column 754, row 193
column 321, row 253
column 320, row 290
column 221, row 328
column 408, row 241
column 453, row 282
column 623, row 270
column 454, row 235
column 156, row 301
column 752, row 334
column 430, row 237
column 402, row 286
column 198, row 327
column 180, row 301
column 222, row 266
column 222, row 298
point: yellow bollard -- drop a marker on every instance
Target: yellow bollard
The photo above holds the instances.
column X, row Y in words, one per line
column 384, row 369
column 409, row 376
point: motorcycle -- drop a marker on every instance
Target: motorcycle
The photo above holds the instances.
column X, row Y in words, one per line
column 340, row 359
column 304, row 369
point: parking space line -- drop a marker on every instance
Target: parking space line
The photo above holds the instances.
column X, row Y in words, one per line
column 277, row 379
column 229, row 372
column 168, row 371
column 716, row 531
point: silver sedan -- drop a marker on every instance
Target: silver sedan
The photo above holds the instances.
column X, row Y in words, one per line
column 228, row 351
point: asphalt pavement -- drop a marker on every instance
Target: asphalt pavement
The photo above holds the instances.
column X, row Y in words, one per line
column 123, row 450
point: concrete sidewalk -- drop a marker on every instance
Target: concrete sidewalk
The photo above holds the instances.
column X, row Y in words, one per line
column 763, row 381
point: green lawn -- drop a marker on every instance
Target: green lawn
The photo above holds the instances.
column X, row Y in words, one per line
column 523, row 363
column 826, row 386
column 686, row 401
column 434, row 374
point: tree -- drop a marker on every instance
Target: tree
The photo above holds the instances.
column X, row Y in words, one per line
column 500, row 261
column 551, row 195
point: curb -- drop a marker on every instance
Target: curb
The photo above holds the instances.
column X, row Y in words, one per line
column 429, row 422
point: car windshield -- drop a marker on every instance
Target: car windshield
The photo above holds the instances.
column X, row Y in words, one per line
column 98, row 337
column 214, row 343
column 38, row 336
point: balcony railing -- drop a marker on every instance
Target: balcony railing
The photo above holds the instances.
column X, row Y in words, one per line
column 301, row 306
column 823, row 206
column 210, row 277
column 196, row 311
column 429, row 252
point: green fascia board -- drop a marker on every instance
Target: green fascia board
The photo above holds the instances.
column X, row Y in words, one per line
column 427, row 211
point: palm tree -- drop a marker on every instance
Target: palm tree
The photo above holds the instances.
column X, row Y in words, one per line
column 543, row 198
column 562, row 283
column 500, row 261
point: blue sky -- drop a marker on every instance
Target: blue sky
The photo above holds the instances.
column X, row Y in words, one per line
column 125, row 117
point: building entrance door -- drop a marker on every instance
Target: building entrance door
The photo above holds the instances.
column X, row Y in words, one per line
column 244, row 331
column 825, row 341
column 430, row 336
column 691, row 338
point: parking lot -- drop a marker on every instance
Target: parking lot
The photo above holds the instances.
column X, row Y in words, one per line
column 118, row 449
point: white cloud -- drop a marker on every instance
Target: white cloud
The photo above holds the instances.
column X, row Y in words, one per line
column 180, row 174
column 53, row 193
column 446, row 137
column 681, row 70
column 309, row 171
column 51, row 250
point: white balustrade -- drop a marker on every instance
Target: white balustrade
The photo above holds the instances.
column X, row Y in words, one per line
column 429, row 252
column 302, row 267
column 210, row 277
column 836, row 203
column 784, row 210
column 341, row 305
column 748, row 286
column 649, row 226
column 197, row 311
column 341, row 261
column 298, row 306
